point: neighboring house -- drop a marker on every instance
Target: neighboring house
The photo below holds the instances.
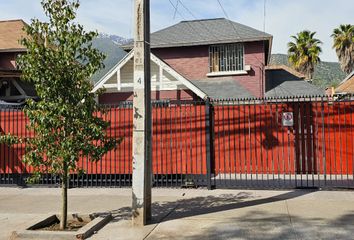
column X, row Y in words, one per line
column 347, row 85
column 12, row 89
column 214, row 58
column 283, row 81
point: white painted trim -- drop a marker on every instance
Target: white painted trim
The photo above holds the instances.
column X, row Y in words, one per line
column 118, row 80
column 111, row 72
column 160, row 63
column 226, row 73
column 160, row 76
column 114, row 85
column 247, row 68
column 125, row 85
column 110, row 85
column 153, row 84
column 179, row 77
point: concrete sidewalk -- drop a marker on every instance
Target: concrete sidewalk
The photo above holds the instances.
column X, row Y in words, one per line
column 194, row 214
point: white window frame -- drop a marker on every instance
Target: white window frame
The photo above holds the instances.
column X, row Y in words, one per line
column 237, row 67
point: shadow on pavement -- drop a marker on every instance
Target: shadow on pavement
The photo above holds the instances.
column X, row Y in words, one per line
column 259, row 225
column 182, row 208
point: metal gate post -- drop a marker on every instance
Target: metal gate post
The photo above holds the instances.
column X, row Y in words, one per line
column 323, row 143
column 209, row 127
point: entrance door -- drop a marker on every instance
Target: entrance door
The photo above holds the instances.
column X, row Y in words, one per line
column 304, row 138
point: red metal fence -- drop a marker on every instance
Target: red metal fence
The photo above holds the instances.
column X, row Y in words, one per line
column 251, row 143
column 178, row 149
column 241, row 143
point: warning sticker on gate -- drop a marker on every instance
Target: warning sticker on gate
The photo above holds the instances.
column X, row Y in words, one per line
column 288, row 119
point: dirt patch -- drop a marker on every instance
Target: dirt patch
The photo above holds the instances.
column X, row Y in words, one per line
column 72, row 225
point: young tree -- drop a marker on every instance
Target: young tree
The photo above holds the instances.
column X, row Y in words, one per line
column 303, row 52
column 343, row 43
column 59, row 61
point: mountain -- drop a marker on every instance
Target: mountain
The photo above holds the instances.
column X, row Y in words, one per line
column 326, row 73
column 114, row 53
column 114, row 38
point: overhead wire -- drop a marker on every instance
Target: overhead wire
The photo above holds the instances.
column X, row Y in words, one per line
column 234, row 28
column 201, row 22
column 227, row 17
column 181, row 15
column 131, row 19
column 262, row 67
column 264, row 15
column 174, row 15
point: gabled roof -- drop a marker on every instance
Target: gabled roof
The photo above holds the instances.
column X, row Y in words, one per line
column 347, row 85
column 283, row 83
column 99, row 84
column 223, row 89
column 286, row 68
column 10, row 34
column 113, row 52
column 204, row 32
column 294, row 88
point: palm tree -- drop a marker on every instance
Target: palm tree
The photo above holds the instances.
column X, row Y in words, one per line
column 303, row 53
column 343, row 43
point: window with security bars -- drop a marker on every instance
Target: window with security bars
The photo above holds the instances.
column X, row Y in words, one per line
column 228, row 57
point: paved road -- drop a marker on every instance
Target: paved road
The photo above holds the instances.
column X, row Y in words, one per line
column 194, row 214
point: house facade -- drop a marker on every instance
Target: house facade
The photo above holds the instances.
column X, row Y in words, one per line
column 216, row 58
column 166, row 83
column 12, row 89
column 203, row 51
column 241, row 62
column 216, row 50
column 347, row 85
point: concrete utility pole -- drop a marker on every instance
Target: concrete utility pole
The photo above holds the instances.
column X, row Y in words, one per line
column 142, row 116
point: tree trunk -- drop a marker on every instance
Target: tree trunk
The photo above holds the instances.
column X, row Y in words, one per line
column 64, row 194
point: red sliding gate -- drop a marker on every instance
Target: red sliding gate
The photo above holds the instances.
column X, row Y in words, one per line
column 253, row 147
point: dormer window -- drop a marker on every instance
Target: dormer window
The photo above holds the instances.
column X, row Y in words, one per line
column 226, row 59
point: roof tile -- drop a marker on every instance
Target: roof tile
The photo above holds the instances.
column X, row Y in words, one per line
column 204, row 32
column 10, row 34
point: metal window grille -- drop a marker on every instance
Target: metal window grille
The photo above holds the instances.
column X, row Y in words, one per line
column 227, row 57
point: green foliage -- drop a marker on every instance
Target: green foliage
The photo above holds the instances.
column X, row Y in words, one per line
column 8, row 139
column 326, row 73
column 303, row 52
column 59, row 61
column 343, row 43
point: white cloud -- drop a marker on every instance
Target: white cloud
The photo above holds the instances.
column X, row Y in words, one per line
column 284, row 17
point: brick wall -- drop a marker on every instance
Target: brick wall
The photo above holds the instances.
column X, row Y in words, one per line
column 193, row 64
column 7, row 60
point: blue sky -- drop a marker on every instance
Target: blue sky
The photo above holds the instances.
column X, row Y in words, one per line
column 283, row 17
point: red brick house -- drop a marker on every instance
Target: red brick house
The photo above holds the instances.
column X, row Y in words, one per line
column 208, row 51
column 12, row 89
column 216, row 50
column 214, row 58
